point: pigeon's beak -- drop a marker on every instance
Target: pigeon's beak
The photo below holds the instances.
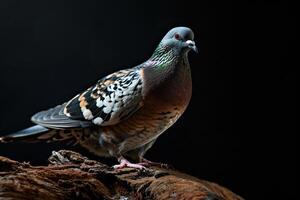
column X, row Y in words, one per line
column 191, row 44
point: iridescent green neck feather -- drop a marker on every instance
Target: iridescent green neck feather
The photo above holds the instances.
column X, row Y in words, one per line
column 163, row 66
column 163, row 58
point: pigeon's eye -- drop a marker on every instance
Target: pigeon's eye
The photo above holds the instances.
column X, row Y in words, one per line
column 177, row 36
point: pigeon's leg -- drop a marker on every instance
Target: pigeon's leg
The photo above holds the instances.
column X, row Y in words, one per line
column 125, row 163
column 142, row 151
column 137, row 155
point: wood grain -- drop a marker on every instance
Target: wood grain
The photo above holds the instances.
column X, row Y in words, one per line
column 72, row 176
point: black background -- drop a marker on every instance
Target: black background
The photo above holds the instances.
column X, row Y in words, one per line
column 239, row 129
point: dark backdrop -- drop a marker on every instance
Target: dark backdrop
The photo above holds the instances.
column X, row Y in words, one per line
column 238, row 130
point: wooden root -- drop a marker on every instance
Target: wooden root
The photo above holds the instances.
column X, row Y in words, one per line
column 72, row 176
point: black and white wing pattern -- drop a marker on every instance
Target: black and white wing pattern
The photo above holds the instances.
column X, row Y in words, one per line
column 114, row 98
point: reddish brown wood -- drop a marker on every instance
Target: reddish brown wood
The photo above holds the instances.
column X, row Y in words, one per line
column 72, row 176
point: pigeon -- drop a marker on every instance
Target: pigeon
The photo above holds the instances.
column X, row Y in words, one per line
column 124, row 113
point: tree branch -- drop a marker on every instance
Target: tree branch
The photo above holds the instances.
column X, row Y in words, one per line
column 72, row 176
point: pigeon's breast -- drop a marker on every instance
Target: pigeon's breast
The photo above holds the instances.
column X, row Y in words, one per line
column 142, row 127
column 174, row 91
column 161, row 109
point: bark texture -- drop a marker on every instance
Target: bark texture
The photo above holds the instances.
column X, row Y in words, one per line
column 72, row 176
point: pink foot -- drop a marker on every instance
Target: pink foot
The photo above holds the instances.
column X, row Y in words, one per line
column 125, row 163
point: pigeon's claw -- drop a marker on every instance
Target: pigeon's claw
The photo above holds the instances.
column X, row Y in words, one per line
column 126, row 164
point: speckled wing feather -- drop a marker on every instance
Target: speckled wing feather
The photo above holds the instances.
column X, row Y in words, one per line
column 114, row 98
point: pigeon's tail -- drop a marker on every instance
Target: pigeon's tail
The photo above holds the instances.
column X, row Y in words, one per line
column 35, row 134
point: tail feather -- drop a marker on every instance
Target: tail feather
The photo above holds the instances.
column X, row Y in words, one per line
column 39, row 133
column 28, row 134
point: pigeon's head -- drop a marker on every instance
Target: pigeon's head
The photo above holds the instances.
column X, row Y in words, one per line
column 180, row 39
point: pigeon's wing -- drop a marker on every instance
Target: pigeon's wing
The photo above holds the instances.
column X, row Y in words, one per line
column 56, row 119
column 112, row 99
